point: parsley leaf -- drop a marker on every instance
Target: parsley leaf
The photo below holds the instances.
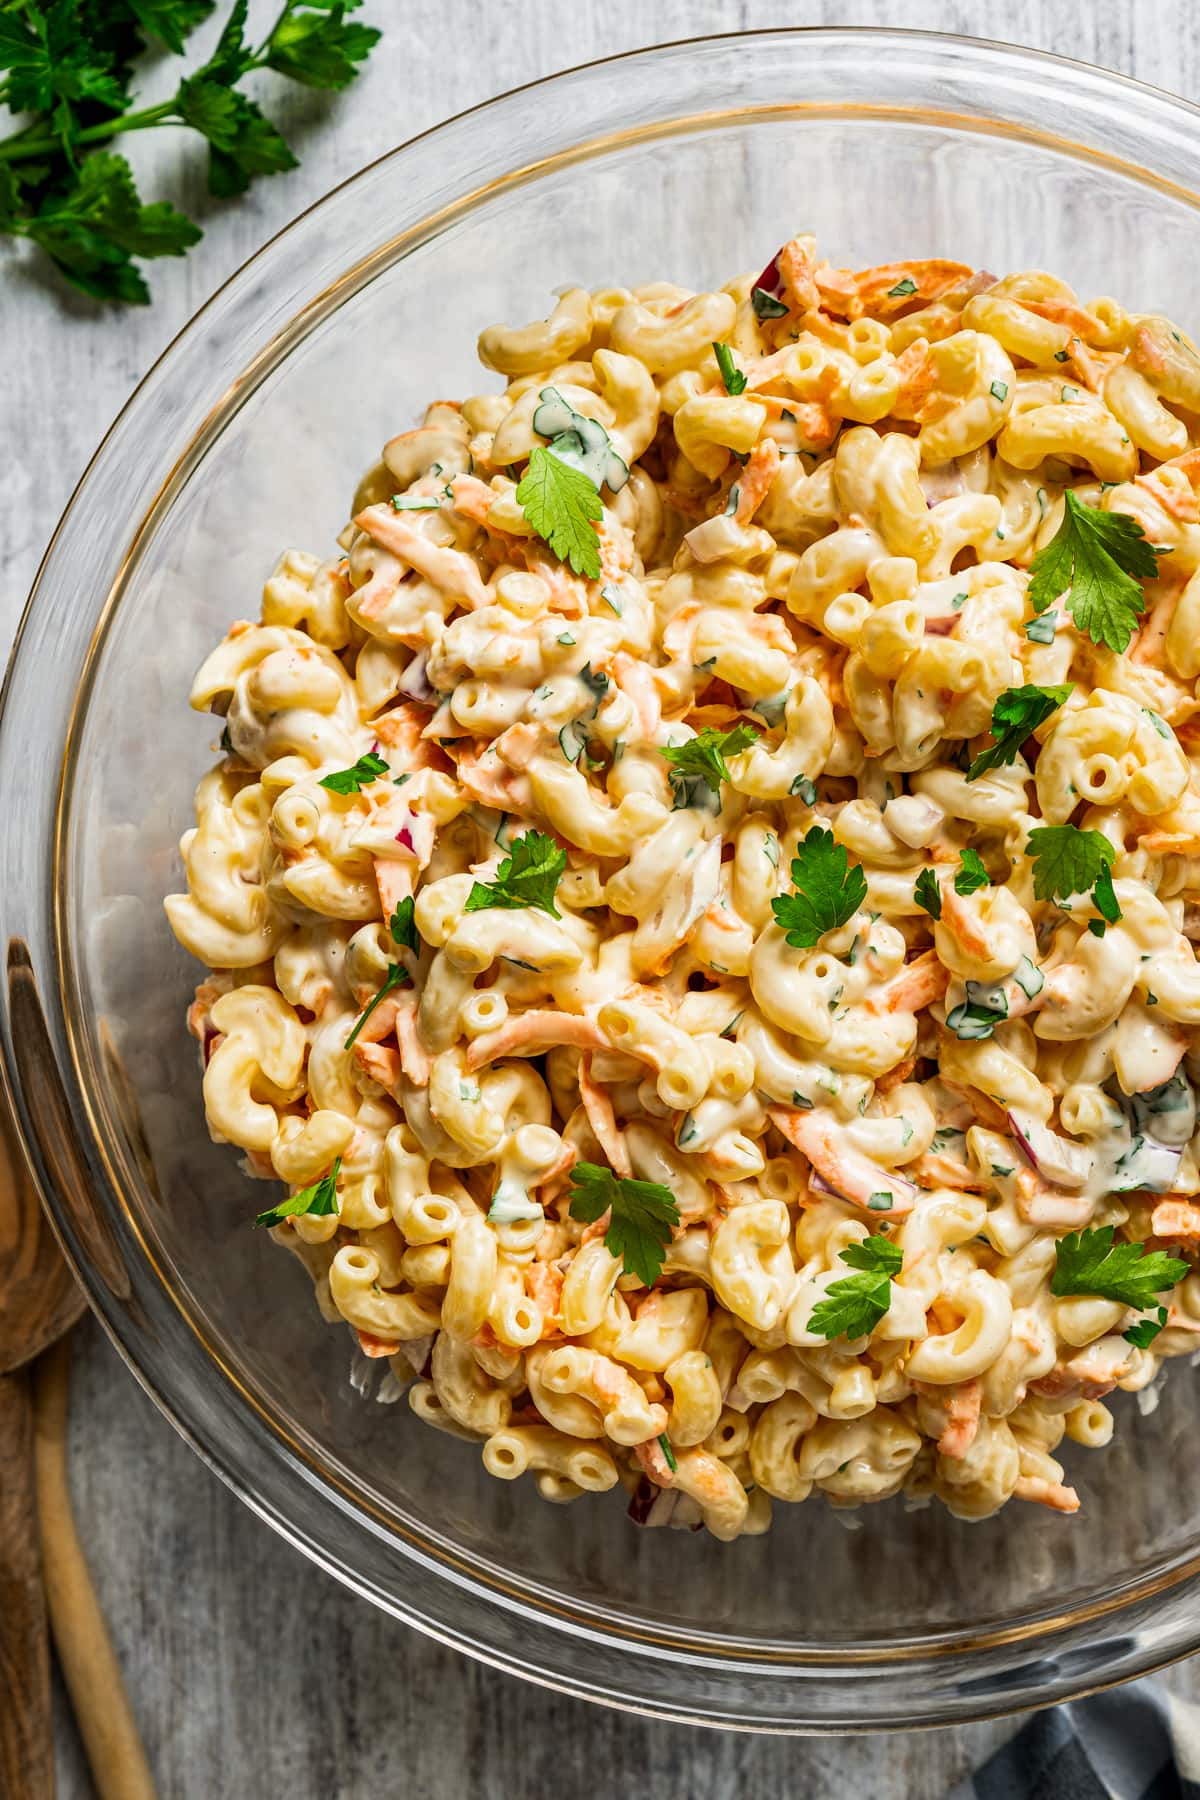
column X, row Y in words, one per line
column 854, row 1305
column 403, row 927
column 1016, row 715
column 1107, row 904
column 397, row 976
column 1142, row 1332
column 702, row 758
column 561, row 504
column 317, row 1201
column 1093, row 559
column 242, row 142
column 94, row 228
column 170, row 20
column 643, row 1215
column 828, row 891
column 368, row 768
column 529, row 877
column 731, row 375
column 312, row 43
column 765, row 305
column 1066, row 860
column 69, row 65
column 1088, row 1262
column 971, row 873
column 928, row 894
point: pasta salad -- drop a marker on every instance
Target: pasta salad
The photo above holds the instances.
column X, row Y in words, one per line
column 699, row 893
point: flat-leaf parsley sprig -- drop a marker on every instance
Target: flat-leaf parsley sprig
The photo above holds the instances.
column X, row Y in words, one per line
column 1098, row 560
column 316, row 1201
column 1088, row 1262
column 70, row 63
column 1069, row 861
column 854, row 1305
column 402, row 926
column 559, row 492
column 1016, row 716
column 528, row 877
column 702, row 758
column 828, row 891
column 642, row 1216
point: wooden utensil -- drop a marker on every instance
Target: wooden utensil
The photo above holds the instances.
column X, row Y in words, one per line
column 38, row 1302
column 40, row 1554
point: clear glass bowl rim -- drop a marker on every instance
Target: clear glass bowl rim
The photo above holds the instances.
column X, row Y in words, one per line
column 949, row 1676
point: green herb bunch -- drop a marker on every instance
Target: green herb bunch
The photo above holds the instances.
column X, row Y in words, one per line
column 66, row 74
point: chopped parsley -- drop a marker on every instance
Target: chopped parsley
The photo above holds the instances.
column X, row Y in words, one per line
column 731, row 375
column 527, row 877
column 642, row 1216
column 1016, row 715
column 1088, row 1262
column 316, row 1201
column 828, row 891
column 702, row 758
column 1098, row 560
column 1068, row 861
column 927, row 893
column 367, row 769
column 854, row 1305
column 971, row 873
column 765, row 305
column 561, row 504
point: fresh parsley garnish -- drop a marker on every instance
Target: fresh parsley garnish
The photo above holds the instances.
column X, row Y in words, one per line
column 854, row 1305
column 403, row 926
column 828, row 891
column 561, row 505
column 317, row 1201
column 765, row 305
column 1067, row 860
column 731, row 375
column 702, row 758
column 397, row 976
column 643, row 1215
column 1016, row 715
column 971, row 873
column 528, row 877
column 368, row 768
column 903, row 289
column 927, row 893
column 68, row 67
column 1104, row 896
column 1041, row 631
column 1098, row 560
column 1088, row 1262
column 1142, row 1332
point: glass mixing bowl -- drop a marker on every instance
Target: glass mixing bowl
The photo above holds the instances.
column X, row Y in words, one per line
column 690, row 161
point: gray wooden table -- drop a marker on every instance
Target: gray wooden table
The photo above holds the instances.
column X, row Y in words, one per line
column 251, row 1673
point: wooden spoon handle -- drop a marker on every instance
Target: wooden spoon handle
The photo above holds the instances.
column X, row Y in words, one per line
column 85, row 1653
column 26, row 1739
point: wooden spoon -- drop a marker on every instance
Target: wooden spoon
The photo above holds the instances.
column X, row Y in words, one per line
column 39, row 1301
column 40, row 1555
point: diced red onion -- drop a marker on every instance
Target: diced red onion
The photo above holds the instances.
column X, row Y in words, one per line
column 1065, row 1164
column 770, row 281
column 650, row 1504
column 404, row 838
column 415, row 682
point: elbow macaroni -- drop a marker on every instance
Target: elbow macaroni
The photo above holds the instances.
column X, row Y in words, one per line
column 837, row 556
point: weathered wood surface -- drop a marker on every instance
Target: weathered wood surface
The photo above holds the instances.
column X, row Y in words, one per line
column 255, row 1677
